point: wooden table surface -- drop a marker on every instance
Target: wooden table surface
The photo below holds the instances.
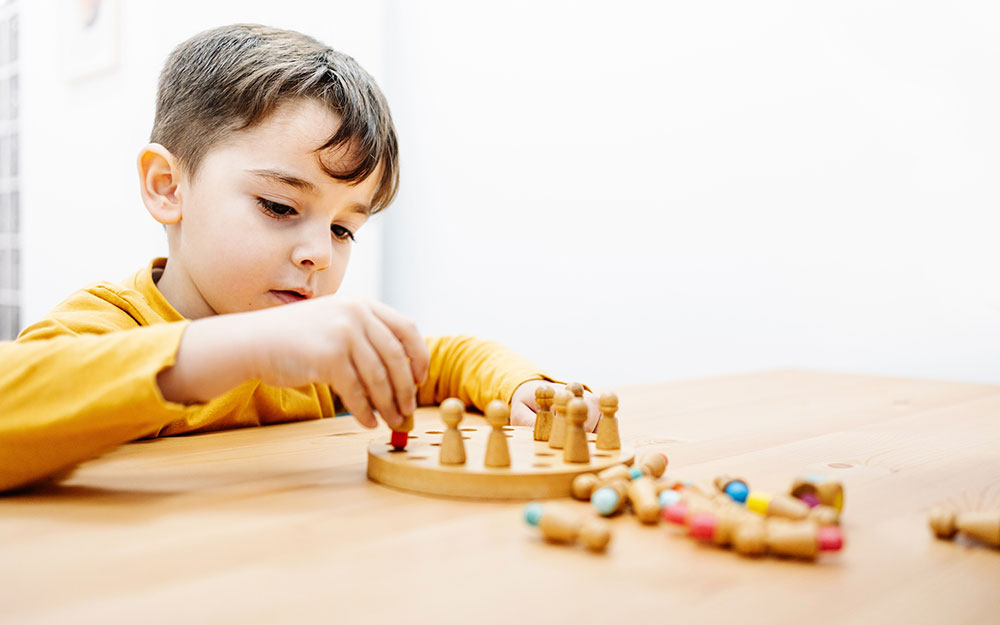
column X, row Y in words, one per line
column 280, row 525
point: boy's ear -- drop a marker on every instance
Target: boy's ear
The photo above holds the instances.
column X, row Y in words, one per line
column 159, row 183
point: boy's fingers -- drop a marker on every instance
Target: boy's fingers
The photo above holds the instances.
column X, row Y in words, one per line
column 350, row 390
column 408, row 336
column 394, row 359
column 375, row 380
column 593, row 411
column 520, row 414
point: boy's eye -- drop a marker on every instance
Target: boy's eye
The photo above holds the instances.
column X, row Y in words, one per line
column 274, row 209
column 341, row 233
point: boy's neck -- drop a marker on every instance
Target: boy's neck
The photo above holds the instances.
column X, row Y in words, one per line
column 180, row 292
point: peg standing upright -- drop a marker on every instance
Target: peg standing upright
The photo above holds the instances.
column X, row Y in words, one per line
column 497, row 453
column 575, row 448
column 558, row 435
column 543, row 420
column 575, row 388
column 452, row 447
column 607, row 427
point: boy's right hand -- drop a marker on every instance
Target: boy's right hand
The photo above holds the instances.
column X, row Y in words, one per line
column 371, row 355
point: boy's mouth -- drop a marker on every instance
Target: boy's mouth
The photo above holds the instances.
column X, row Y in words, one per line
column 289, row 297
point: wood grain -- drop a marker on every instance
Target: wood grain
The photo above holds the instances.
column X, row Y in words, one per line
column 279, row 524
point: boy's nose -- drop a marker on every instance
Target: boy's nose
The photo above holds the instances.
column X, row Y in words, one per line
column 313, row 254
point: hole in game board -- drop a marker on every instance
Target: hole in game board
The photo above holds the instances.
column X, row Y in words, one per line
column 433, row 432
column 417, row 458
column 507, row 428
column 411, row 437
column 467, row 429
column 343, row 434
column 541, row 465
column 603, row 455
column 544, row 453
column 435, row 444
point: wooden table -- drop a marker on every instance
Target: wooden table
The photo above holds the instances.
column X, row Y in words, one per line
column 279, row 524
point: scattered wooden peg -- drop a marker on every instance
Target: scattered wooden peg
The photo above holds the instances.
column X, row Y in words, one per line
column 984, row 526
column 645, row 503
column 562, row 526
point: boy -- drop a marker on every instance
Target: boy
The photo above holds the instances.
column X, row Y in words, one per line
column 268, row 152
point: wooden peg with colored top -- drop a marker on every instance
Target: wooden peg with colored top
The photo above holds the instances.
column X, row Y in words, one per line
column 452, row 447
column 497, row 452
column 610, row 497
column 607, row 426
column 560, row 402
column 584, row 485
column 784, row 506
column 653, row 463
column 802, row 539
column 815, row 489
column 984, row 526
column 543, row 418
column 401, row 435
column 575, row 446
column 736, row 488
column 562, row 526
column 616, row 472
column 721, row 525
column 645, row 502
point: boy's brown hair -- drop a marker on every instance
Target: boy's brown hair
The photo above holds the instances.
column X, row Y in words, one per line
column 232, row 77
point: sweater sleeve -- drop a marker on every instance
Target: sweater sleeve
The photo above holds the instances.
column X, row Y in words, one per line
column 67, row 397
column 474, row 370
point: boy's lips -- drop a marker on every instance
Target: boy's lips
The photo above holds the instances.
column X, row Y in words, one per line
column 291, row 295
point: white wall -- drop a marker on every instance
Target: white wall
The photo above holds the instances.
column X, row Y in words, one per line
column 640, row 191
column 622, row 191
column 83, row 220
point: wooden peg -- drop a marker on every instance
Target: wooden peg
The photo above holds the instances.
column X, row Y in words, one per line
column 824, row 515
column 803, row 539
column 642, row 496
column 607, row 427
column 401, row 435
column 584, row 485
column 575, row 448
column 452, row 446
column 617, row 472
column 543, row 418
column 784, row 506
column 575, row 388
column 820, row 488
column 653, row 463
column 562, row 526
column 497, row 453
column 557, row 437
column 984, row 526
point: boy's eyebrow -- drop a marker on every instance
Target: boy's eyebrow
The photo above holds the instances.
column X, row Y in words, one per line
column 284, row 178
column 302, row 185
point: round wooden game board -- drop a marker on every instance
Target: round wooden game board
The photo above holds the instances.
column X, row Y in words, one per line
column 536, row 471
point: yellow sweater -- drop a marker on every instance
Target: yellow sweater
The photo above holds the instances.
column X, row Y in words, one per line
column 83, row 380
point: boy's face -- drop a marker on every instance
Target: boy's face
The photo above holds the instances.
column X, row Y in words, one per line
column 261, row 223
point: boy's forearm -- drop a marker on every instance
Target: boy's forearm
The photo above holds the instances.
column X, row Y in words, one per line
column 213, row 357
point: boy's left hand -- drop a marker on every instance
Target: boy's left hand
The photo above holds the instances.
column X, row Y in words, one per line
column 523, row 405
